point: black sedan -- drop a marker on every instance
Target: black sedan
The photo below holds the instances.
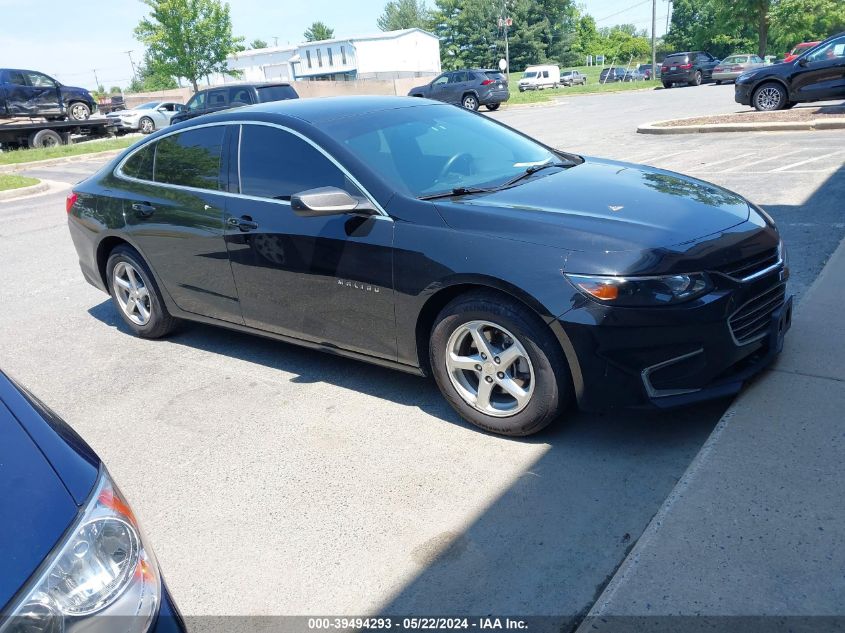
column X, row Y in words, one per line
column 72, row 556
column 436, row 241
column 817, row 75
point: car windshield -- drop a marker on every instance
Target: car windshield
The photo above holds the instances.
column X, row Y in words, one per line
column 529, row 74
column 432, row 149
column 152, row 105
column 676, row 59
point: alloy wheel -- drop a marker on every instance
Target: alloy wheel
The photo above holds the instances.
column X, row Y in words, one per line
column 470, row 103
column 768, row 98
column 490, row 368
column 146, row 125
column 79, row 112
column 132, row 294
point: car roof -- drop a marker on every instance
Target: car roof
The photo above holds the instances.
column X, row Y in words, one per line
column 321, row 110
column 247, row 84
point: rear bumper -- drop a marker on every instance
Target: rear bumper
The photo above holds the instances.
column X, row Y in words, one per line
column 659, row 358
column 685, row 76
column 494, row 96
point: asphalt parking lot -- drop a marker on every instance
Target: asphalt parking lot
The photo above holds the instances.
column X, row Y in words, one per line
column 277, row 480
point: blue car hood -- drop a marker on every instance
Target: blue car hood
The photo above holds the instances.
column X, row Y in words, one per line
column 600, row 205
column 35, row 506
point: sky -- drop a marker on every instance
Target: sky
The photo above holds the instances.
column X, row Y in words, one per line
column 92, row 39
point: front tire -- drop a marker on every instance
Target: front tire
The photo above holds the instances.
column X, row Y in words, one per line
column 498, row 365
column 769, row 97
column 470, row 102
column 135, row 294
column 78, row 111
column 493, row 106
column 146, row 125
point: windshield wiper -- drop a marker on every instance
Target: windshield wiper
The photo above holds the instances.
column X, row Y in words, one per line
column 457, row 191
column 530, row 171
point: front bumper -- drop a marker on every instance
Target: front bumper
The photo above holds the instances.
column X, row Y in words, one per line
column 667, row 357
column 742, row 93
column 726, row 76
column 124, row 124
column 169, row 619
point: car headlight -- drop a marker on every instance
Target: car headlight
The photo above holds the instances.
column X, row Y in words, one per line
column 101, row 568
column 642, row 291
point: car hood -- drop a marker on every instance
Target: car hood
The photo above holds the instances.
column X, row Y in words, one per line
column 600, row 205
column 76, row 89
column 131, row 111
column 35, row 506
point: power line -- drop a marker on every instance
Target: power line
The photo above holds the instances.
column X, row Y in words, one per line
column 633, row 6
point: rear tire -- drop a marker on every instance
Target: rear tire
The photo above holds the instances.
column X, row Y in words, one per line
column 718, row 82
column 135, row 294
column 532, row 364
column 44, row 138
column 696, row 79
column 667, row 84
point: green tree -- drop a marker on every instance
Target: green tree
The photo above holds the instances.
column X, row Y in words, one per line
column 467, row 31
column 405, row 14
column 318, row 31
column 151, row 78
column 188, row 38
column 257, row 43
column 795, row 21
column 737, row 15
column 115, row 90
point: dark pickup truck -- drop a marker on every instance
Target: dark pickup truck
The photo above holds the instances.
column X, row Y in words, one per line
column 29, row 93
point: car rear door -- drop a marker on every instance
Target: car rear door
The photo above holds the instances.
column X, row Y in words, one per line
column 173, row 202
column 18, row 93
column 329, row 279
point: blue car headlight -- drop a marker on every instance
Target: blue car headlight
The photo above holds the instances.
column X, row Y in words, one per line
column 642, row 291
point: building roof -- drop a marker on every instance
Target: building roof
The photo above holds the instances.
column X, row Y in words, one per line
column 381, row 35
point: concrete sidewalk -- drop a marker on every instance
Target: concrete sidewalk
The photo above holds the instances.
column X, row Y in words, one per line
column 753, row 535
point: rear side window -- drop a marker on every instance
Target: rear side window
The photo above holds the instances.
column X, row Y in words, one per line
column 275, row 93
column 191, row 158
column 240, row 96
column 140, row 164
column 277, row 164
column 218, row 99
column 15, row 77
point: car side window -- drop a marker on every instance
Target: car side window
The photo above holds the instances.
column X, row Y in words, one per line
column 140, row 164
column 190, row 158
column 441, row 80
column 832, row 50
column 457, row 78
column 16, row 77
column 218, row 99
column 37, row 80
column 545, row 74
column 197, row 102
column 277, row 164
column 240, row 96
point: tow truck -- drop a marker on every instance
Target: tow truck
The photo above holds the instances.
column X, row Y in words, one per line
column 33, row 133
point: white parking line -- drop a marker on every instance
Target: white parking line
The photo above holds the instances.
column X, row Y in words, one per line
column 804, row 162
column 665, row 156
column 724, row 160
column 762, row 160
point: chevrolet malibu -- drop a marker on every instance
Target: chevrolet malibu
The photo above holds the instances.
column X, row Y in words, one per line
column 72, row 555
column 434, row 240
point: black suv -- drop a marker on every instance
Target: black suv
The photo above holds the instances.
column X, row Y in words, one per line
column 470, row 88
column 609, row 75
column 233, row 96
column 691, row 68
column 817, row 75
column 29, row 93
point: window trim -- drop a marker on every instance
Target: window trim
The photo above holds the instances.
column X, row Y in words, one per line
column 118, row 170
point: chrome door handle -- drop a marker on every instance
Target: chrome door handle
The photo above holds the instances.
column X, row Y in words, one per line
column 244, row 223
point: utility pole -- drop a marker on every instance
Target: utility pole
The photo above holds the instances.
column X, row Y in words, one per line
column 96, row 80
column 275, row 41
column 668, row 13
column 131, row 63
column 653, row 39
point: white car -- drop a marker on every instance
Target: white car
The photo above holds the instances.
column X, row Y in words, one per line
column 147, row 117
column 540, row 77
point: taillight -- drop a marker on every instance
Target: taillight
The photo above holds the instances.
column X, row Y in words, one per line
column 685, row 66
column 487, row 82
column 72, row 197
column 664, row 68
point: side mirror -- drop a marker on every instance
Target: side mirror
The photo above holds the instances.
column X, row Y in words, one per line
column 803, row 62
column 325, row 201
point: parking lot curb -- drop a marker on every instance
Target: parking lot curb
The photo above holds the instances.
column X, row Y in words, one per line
column 49, row 162
column 659, row 127
column 22, row 192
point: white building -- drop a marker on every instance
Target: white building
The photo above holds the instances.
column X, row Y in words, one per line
column 386, row 55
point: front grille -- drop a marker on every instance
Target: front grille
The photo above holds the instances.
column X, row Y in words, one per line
column 749, row 266
column 751, row 322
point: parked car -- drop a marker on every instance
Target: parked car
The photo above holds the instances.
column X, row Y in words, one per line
column 434, row 241
column 539, row 78
column 645, row 70
column 111, row 103
column 147, row 117
column 469, row 88
column 609, row 75
column 691, row 68
column 817, row 75
column 634, row 74
column 734, row 65
column 233, row 96
column 796, row 52
column 29, row 93
column 572, row 78
column 72, row 554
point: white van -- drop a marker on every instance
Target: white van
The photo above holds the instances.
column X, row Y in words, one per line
column 539, row 77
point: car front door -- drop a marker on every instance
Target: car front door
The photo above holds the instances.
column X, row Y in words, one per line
column 439, row 87
column 325, row 279
column 821, row 75
column 196, row 105
column 173, row 205
column 44, row 93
